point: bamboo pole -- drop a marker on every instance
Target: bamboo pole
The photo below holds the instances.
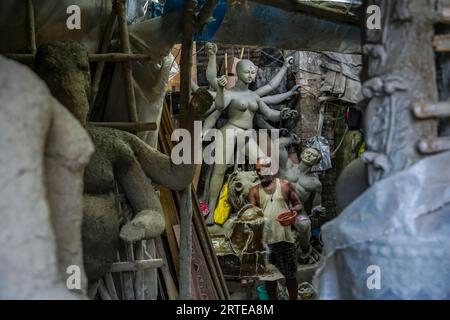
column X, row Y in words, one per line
column 187, row 123
column 31, row 27
column 127, row 126
column 118, row 57
column 126, row 65
column 109, row 30
column 130, row 266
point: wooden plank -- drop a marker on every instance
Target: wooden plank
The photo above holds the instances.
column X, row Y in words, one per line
column 202, row 230
column 168, row 280
column 171, row 217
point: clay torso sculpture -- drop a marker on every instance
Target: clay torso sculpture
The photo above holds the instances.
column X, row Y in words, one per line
column 120, row 158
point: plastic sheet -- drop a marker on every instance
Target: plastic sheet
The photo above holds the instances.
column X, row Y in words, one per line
column 321, row 144
column 400, row 225
column 151, row 76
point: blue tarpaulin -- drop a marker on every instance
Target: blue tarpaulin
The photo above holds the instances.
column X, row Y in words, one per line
column 210, row 29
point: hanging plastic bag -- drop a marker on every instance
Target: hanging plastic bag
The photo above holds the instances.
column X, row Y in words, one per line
column 223, row 208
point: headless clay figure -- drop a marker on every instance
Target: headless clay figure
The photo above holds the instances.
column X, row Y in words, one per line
column 120, row 158
column 44, row 151
column 241, row 105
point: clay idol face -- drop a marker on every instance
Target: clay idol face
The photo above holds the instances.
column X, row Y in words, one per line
column 246, row 71
column 311, row 156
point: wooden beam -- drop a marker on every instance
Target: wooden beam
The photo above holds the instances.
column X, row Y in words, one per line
column 425, row 110
column 136, row 265
column 28, row 58
column 127, row 126
column 187, row 122
column 313, row 9
column 118, row 57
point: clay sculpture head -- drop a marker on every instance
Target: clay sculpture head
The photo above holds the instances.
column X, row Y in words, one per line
column 64, row 66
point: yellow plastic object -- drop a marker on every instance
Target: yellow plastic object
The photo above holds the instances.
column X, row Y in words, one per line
column 223, row 208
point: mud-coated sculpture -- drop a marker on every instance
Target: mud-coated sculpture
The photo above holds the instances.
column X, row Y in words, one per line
column 308, row 184
column 120, row 159
column 241, row 104
column 44, row 151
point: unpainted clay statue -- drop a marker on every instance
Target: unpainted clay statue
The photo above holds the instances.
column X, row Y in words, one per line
column 308, row 184
column 44, row 151
column 120, row 158
column 213, row 114
column 241, row 105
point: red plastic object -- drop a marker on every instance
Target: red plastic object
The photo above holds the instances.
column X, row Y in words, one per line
column 287, row 218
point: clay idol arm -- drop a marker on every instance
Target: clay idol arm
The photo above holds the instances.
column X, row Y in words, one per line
column 160, row 168
column 267, row 112
column 278, row 98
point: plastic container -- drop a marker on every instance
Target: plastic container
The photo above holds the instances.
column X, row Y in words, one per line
column 287, row 218
column 262, row 292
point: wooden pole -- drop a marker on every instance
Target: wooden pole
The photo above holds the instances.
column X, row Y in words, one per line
column 126, row 65
column 110, row 26
column 187, row 122
column 127, row 126
column 185, row 244
column 31, row 27
column 118, row 57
